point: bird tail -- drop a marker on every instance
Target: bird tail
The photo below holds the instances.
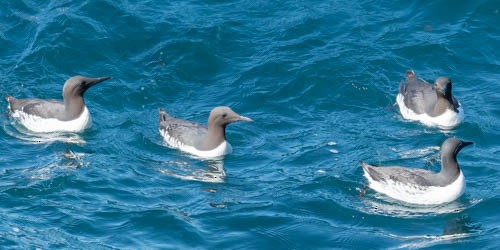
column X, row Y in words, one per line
column 401, row 87
column 410, row 74
column 162, row 115
column 364, row 166
column 9, row 100
column 362, row 163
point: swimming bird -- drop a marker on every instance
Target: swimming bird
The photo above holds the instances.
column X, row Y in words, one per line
column 433, row 105
column 199, row 140
column 48, row 115
column 421, row 186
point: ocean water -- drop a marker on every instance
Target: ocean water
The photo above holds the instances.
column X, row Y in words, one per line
column 318, row 77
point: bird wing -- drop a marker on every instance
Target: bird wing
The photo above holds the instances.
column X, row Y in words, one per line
column 39, row 107
column 186, row 132
column 413, row 176
column 418, row 94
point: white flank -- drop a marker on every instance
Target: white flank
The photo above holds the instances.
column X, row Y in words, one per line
column 223, row 149
column 428, row 195
column 46, row 125
column 447, row 120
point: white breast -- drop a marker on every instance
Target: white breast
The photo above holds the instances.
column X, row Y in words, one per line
column 223, row 149
column 46, row 125
column 419, row 194
column 447, row 120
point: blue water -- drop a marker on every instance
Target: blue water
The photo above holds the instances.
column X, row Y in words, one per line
column 318, row 77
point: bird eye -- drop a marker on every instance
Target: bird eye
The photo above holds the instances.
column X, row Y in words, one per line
column 224, row 115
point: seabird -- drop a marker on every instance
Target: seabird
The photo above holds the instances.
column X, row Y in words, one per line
column 433, row 105
column 48, row 115
column 421, row 186
column 199, row 140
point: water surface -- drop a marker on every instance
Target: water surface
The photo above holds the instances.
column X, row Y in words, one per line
column 319, row 79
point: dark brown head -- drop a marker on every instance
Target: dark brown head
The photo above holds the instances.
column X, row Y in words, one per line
column 442, row 85
column 222, row 116
column 77, row 85
column 73, row 91
column 449, row 165
column 452, row 146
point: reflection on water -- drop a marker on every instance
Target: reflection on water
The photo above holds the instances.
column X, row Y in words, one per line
column 70, row 160
column 50, row 172
column 421, row 241
column 16, row 130
column 460, row 225
column 455, row 228
column 419, row 152
column 213, row 172
column 384, row 205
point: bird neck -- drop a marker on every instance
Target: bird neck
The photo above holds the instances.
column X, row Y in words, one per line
column 449, row 164
column 447, row 98
column 74, row 107
column 216, row 135
column 444, row 102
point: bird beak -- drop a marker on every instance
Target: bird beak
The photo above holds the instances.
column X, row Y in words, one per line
column 462, row 145
column 95, row 81
column 243, row 119
column 91, row 82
